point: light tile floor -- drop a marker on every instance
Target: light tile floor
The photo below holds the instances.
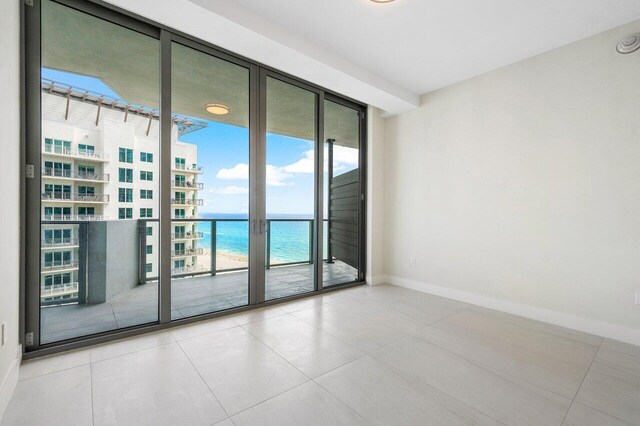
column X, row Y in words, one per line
column 366, row 355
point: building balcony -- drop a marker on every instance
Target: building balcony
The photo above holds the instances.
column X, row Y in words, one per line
column 58, row 290
column 187, row 201
column 188, row 269
column 73, row 217
column 187, row 185
column 80, row 153
column 77, row 176
column 74, row 197
column 188, row 252
column 187, row 236
column 59, row 265
column 59, row 242
column 189, row 169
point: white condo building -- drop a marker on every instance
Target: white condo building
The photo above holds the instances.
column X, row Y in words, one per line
column 100, row 162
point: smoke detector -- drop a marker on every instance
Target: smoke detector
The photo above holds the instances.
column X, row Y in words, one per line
column 629, row 44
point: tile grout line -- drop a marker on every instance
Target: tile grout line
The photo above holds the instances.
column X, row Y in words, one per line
column 581, row 382
column 203, row 381
column 93, row 412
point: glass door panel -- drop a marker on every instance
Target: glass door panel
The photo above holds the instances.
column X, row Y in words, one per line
column 100, row 94
column 341, row 194
column 290, row 189
column 209, row 183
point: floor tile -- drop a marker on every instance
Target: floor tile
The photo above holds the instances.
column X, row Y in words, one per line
column 240, row 370
column 130, row 345
column 307, row 404
column 470, row 383
column 201, row 328
column 53, row 363
column 383, row 397
column 157, row 386
column 544, row 363
column 62, row 398
column 257, row 315
column 309, row 349
column 582, row 415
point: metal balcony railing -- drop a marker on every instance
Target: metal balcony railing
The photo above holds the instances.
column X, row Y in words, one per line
column 70, row 196
column 188, row 252
column 69, row 174
column 59, row 264
column 187, row 235
column 187, row 201
column 187, row 185
column 59, row 242
column 87, row 153
column 73, row 217
column 55, row 290
column 188, row 270
column 188, row 168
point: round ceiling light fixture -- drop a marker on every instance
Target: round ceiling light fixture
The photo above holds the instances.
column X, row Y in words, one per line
column 217, row 109
column 383, row 1
column 629, row 44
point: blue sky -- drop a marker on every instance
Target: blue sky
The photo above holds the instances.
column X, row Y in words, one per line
column 223, row 152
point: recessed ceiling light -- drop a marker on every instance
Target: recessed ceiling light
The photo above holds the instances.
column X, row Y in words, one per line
column 218, row 109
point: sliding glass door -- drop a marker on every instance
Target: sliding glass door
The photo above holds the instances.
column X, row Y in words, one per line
column 210, row 145
column 171, row 180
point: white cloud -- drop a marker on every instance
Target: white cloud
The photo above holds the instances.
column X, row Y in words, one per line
column 304, row 165
column 277, row 175
column 240, row 172
column 231, row 190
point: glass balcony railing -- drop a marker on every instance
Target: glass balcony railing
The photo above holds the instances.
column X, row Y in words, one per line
column 86, row 153
column 187, row 201
column 194, row 168
column 59, row 242
column 70, row 196
column 186, row 185
column 70, row 174
column 60, row 264
column 55, row 290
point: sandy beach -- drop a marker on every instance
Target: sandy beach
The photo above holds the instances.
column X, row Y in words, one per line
column 224, row 261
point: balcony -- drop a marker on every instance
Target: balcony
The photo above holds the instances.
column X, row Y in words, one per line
column 59, row 242
column 59, row 265
column 69, row 197
column 187, row 236
column 73, row 217
column 80, row 154
column 188, row 169
column 189, row 252
column 188, row 270
column 56, row 290
column 187, row 201
column 78, row 176
column 186, row 185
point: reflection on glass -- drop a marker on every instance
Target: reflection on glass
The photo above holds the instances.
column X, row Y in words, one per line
column 209, row 184
column 291, row 114
column 99, row 234
column 341, row 194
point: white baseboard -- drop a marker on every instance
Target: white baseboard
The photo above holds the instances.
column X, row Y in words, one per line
column 10, row 381
column 376, row 279
column 586, row 325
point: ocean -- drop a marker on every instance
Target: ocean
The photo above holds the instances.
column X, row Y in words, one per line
column 289, row 237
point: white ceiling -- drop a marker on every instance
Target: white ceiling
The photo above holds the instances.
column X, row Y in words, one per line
column 388, row 54
column 423, row 45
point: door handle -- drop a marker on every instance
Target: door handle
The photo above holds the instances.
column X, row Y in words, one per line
column 264, row 226
column 253, row 226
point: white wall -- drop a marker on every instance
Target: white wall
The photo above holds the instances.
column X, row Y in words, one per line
column 520, row 189
column 375, row 196
column 9, row 194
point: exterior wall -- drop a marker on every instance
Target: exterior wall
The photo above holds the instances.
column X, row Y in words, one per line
column 10, row 212
column 518, row 189
column 110, row 134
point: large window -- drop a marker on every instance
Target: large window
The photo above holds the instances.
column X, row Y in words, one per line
column 168, row 167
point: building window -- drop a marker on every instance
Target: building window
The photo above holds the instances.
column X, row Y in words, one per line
column 125, row 175
column 146, row 212
column 149, row 231
column 146, row 157
column 146, row 194
column 149, row 267
column 125, row 213
column 125, row 195
column 88, row 150
column 146, row 175
column 84, row 211
column 180, row 163
column 125, row 155
column 149, row 249
column 179, row 213
column 86, row 190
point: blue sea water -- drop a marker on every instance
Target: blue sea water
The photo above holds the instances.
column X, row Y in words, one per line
column 289, row 239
